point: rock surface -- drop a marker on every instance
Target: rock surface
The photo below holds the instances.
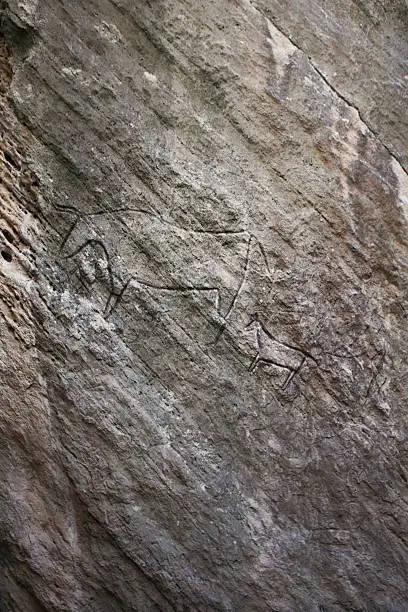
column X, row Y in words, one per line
column 204, row 256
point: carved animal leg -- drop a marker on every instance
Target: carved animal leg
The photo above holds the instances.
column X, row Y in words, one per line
column 254, row 363
column 292, row 373
column 237, row 293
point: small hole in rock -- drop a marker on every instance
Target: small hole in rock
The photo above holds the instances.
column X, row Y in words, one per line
column 6, row 255
column 8, row 236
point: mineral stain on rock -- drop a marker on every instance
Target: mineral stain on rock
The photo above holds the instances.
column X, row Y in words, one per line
column 203, row 285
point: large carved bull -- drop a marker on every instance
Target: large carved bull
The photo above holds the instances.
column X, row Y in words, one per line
column 138, row 245
column 127, row 248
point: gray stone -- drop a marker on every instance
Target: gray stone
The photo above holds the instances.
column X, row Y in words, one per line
column 203, row 356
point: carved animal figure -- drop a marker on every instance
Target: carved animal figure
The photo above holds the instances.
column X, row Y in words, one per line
column 138, row 245
column 269, row 350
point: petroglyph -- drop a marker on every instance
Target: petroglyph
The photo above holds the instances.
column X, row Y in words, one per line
column 269, row 350
column 164, row 256
column 168, row 258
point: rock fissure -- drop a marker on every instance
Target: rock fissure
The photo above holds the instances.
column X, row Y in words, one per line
column 334, row 90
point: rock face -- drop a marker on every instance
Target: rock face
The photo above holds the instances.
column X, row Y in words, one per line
column 204, row 257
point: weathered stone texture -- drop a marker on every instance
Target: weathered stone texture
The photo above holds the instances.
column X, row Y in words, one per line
column 203, row 272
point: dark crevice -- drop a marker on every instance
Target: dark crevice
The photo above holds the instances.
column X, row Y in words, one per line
column 12, row 160
column 8, row 236
column 6, row 255
column 19, row 35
